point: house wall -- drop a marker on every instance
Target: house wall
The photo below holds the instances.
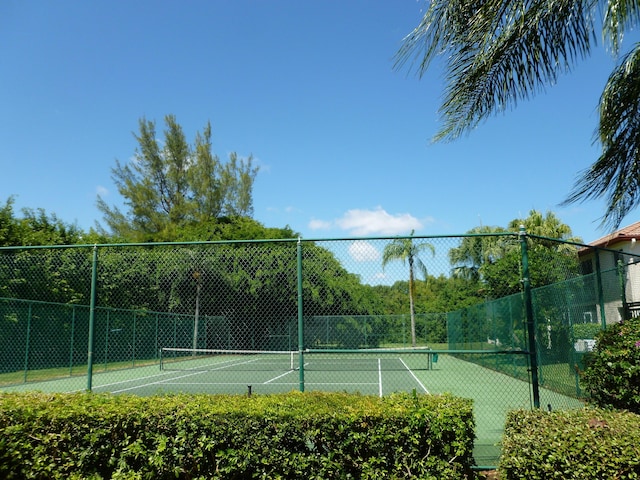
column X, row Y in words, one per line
column 629, row 253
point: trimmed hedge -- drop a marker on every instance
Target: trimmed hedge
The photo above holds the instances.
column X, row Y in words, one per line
column 578, row 444
column 297, row 435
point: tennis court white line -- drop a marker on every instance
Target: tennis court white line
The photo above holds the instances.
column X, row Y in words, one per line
column 414, row 377
column 276, row 378
column 338, row 383
column 169, row 381
column 380, row 377
column 157, row 383
column 106, row 385
column 287, row 383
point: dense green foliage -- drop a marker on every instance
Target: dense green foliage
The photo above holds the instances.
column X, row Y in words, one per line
column 546, row 266
column 586, row 330
column 493, row 255
column 282, row 436
column 612, row 377
column 173, row 185
column 35, row 227
column 577, row 444
column 253, row 285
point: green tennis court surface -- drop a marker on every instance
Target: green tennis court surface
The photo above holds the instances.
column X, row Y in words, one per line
column 493, row 393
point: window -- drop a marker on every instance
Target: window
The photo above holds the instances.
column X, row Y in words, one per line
column 586, row 267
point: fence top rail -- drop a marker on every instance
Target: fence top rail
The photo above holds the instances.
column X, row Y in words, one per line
column 299, row 240
column 250, row 241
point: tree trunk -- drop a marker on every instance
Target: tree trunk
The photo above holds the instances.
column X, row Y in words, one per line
column 411, row 307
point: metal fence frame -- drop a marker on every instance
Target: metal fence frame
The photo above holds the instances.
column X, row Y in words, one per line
column 532, row 324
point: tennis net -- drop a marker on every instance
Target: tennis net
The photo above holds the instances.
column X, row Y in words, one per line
column 310, row 360
column 213, row 359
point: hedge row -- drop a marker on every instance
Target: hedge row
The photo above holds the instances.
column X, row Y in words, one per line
column 576, row 444
column 310, row 435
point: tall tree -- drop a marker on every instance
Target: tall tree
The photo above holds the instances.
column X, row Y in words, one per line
column 8, row 225
column 550, row 226
column 407, row 251
column 171, row 184
column 498, row 52
column 489, row 255
column 483, row 245
column 35, row 227
column 547, row 225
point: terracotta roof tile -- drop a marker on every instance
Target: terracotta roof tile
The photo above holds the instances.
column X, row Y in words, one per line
column 626, row 233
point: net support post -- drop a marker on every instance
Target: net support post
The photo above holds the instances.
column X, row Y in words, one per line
column 531, row 330
column 300, row 316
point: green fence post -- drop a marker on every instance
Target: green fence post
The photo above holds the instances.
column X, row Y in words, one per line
column 300, row 316
column 27, row 342
column 92, row 310
column 621, row 270
column 531, row 330
column 196, row 318
column 73, row 328
column 133, row 340
column 157, row 332
column 603, row 315
column 106, row 341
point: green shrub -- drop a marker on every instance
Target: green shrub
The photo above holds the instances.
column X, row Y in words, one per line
column 586, row 330
column 578, row 444
column 311, row 436
column 612, row 375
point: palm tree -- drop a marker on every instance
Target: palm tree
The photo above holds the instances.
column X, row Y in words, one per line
column 405, row 250
column 548, row 226
column 497, row 52
column 483, row 245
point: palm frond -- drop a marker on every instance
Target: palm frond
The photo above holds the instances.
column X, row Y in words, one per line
column 515, row 60
column 619, row 16
column 498, row 52
column 616, row 173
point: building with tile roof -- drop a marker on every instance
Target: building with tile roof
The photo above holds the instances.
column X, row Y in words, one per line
column 615, row 260
column 625, row 236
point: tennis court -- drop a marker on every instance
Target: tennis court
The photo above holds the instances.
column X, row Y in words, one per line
column 262, row 372
column 370, row 373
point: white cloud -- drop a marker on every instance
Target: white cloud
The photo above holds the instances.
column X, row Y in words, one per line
column 102, row 191
column 377, row 221
column 362, row 251
column 257, row 162
column 319, row 225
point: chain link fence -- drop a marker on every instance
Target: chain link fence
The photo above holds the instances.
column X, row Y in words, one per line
column 505, row 319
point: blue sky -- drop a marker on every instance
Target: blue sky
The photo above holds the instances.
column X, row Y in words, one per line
column 343, row 141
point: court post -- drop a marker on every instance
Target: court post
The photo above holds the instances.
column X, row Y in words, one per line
column 531, row 330
column 92, row 310
column 300, row 316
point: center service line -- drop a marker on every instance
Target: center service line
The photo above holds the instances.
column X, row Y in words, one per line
column 380, row 377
